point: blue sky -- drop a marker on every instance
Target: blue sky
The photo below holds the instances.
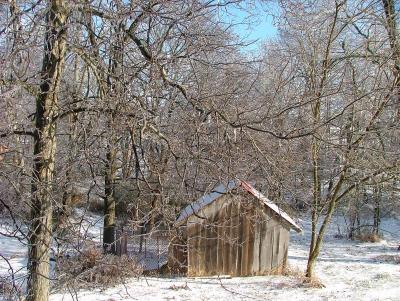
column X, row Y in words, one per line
column 258, row 24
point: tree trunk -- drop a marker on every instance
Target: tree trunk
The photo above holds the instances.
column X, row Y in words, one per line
column 316, row 186
column 18, row 158
column 391, row 28
column 109, row 201
column 354, row 210
column 40, row 231
column 72, row 153
column 377, row 210
column 68, row 188
column 316, row 145
column 115, row 94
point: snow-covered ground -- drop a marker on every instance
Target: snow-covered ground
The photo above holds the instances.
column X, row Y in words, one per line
column 350, row 270
column 13, row 255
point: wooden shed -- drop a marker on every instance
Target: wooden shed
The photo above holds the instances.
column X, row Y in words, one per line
column 234, row 230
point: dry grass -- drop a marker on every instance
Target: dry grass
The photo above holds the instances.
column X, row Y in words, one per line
column 312, row 282
column 92, row 268
column 395, row 259
column 293, row 271
column 302, row 280
column 368, row 237
column 179, row 287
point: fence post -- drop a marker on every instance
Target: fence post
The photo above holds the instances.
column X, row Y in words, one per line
column 124, row 243
column 118, row 243
column 145, row 246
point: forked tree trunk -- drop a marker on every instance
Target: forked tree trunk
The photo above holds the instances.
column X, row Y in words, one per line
column 391, row 26
column 40, row 231
column 315, row 243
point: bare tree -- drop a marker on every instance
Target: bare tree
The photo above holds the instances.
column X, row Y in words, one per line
column 44, row 137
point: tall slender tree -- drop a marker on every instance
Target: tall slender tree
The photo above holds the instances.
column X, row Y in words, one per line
column 40, row 229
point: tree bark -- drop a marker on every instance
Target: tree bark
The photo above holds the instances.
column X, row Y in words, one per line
column 392, row 31
column 109, row 201
column 72, row 152
column 391, row 27
column 40, row 232
column 377, row 210
column 115, row 94
column 316, row 177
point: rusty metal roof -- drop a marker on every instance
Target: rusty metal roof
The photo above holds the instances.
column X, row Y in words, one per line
column 222, row 189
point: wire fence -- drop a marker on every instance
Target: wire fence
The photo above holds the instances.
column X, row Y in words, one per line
column 150, row 249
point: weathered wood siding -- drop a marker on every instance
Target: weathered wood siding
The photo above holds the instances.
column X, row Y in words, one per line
column 236, row 235
column 178, row 252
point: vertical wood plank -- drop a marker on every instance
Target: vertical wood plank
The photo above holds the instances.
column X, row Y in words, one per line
column 264, row 261
column 197, row 247
column 212, row 251
column 235, row 224
column 220, row 241
column 245, row 244
column 227, row 239
column 269, row 250
column 193, row 243
column 256, row 248
column 275, row 257
column 239, row 252
column 283, row 246
column 197, row 250
column 207, row 249
column 250, row 244
column 202, row 250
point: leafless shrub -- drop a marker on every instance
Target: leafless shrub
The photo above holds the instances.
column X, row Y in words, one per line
column 92, row 268
column 368, row 237
column 8, row 291
column 303, row 281
column 292, row 271
column 312, row 282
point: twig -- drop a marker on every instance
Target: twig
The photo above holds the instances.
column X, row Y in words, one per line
column 233, row 292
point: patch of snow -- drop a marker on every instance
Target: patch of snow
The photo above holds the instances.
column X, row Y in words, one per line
column 350, row 270
column 13, row 255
